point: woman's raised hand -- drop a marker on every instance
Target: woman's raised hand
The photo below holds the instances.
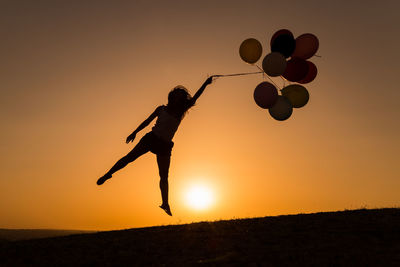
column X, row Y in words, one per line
column 209, row 80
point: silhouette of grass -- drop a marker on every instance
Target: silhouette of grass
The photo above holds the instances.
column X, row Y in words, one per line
column 24, row 234
column 352, row 237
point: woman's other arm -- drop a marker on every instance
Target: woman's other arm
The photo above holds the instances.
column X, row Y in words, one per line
column 143, row 125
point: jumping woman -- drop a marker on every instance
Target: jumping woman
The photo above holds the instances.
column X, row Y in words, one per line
column 159, row 139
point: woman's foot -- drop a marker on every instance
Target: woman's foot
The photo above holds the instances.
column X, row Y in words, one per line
column 103, row 179
column 166, row 208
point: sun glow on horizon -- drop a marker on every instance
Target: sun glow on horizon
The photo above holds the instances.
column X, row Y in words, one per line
column 199, row 197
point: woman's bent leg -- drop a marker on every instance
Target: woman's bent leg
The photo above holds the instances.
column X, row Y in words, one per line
column 140, row 149
column 136, row 152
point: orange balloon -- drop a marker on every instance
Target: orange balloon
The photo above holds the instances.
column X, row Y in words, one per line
column 250, row 50
column 311, row 74
column 297, row 95
column 306, row 46
column 274, row 64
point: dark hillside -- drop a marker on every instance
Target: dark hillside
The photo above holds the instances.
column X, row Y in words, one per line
column 23, row 234
column 358, row 237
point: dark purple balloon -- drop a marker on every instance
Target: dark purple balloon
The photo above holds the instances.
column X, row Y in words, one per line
column 283, row 42
column 265, row 95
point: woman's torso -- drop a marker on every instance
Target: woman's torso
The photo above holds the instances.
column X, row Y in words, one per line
column 166, row 125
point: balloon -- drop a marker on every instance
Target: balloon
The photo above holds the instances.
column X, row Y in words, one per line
column 274, row 64
column 250, row 50
column 282, row 109
column 297, row 95
column 265, row 95
column 296, row 69
column 311, row 74
column 280, row 32
column 283, row 42
column 306, row 46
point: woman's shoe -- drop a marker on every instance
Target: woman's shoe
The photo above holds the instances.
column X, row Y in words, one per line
column 103, row 179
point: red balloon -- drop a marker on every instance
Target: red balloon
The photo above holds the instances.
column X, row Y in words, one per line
column 296, row 69
column 265, row 95
column 311, row 74
column 306, row 46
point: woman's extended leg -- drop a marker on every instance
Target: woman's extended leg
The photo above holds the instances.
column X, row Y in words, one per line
column 140, row 149
column 163, row 162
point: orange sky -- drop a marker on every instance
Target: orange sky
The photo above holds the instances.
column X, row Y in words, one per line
column 77, row 78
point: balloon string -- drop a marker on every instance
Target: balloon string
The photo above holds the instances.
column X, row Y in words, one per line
column 267, row 76
column 283, row 80
column 236, row 74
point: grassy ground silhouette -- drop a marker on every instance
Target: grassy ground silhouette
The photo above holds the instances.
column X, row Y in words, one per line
column 24, row 234
column 354, row 237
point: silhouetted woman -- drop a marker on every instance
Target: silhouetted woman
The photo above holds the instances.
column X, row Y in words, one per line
column 159, row 140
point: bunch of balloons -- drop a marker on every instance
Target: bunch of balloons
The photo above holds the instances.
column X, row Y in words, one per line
column 288, row 59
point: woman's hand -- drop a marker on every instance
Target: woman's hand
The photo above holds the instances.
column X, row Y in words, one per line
column 209, row 80
column 131, row 137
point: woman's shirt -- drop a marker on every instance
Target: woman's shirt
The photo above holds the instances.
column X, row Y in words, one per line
column 166, row 125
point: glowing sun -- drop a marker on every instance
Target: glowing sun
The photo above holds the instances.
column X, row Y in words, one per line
column 199, row 197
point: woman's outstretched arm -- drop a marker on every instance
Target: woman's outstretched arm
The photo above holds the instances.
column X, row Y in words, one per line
column 201, row 89
column 132, row 136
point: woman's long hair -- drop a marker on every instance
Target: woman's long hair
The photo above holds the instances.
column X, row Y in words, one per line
column 179, row 100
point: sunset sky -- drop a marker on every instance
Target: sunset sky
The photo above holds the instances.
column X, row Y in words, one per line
column 77, row 77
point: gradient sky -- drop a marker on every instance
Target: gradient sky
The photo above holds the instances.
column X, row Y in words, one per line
column 77, row 77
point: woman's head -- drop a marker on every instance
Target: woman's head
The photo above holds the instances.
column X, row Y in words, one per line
column 179, row 99
column 179, row 96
